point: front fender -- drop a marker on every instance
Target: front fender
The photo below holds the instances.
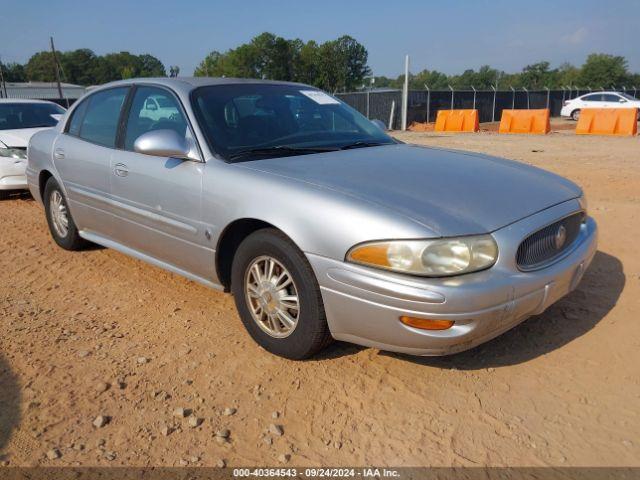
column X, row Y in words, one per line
column 318, row 220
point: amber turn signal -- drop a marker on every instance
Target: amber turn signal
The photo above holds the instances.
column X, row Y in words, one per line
column 426, row 323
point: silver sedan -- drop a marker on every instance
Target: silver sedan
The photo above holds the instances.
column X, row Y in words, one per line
column 320, row 224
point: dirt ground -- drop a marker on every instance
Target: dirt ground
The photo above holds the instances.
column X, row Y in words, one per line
column 97, row 333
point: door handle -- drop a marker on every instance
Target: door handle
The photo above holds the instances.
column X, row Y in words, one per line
column 121, row 170
column 58, row 154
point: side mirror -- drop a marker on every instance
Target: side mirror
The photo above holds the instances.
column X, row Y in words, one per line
column 380, row 124
column 162, row 143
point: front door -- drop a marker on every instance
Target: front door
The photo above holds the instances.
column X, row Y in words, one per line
column 158, row 199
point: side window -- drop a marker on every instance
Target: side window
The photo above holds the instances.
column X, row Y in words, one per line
column 608, row 97
column 100, row 123
column 78, row 114
column 153, row 109
column 593, row 98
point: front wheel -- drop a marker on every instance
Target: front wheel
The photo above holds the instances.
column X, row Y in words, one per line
column 278, row 297
column 62, row 227
column 575, row 115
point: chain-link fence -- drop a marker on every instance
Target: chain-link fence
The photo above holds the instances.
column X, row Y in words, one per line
column 423, row 105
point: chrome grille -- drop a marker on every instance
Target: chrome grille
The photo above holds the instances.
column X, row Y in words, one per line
column 548, row 243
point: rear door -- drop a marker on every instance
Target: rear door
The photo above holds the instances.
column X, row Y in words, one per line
column 158, row 199
column 82, row 156
column 593, row 100
column 612, row 101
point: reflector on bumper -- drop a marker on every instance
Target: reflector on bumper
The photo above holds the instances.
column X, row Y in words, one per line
column 426, row 324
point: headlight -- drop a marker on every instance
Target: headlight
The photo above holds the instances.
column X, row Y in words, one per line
column 16, row 153
column 441, row 257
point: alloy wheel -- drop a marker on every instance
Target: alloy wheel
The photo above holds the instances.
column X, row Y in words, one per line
column 272, row 296
column 59, row 216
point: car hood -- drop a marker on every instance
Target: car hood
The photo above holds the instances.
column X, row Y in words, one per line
column 18, row 138
column 451, row 192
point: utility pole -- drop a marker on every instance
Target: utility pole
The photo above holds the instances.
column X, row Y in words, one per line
column 57, row 69
column 3, row 86
column 405, row 93
column 493, row 110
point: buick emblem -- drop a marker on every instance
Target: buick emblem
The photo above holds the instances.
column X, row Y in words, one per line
column 560, row 238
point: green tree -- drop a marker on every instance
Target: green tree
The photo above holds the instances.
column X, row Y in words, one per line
column 13, row 72
column 432, row 78
column 306, row 68
column 339, row 64
column 150, row 66
column 342, row 64
column 567, row 75
column 274, row 57
column 538, row 75
column 604, row 70
column 79, row 66
column 116, row 66
column 41, row 67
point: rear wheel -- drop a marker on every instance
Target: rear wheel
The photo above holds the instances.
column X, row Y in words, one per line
column 575, row 115
column 62, row 227
column 278, row 297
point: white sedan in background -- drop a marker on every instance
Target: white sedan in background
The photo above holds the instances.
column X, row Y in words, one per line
column 19, row 120
column 571, row 108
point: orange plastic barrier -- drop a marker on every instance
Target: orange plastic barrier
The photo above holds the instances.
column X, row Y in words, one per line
column 525, row 121
column 608, row 121
column 457, row 121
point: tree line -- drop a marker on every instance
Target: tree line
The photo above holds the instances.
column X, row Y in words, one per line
column 84, row 67
column 598, row 71
column 336, row 66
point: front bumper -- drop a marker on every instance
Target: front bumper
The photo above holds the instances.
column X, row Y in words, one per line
column 13, row 174
column 13, row 182
column 363, row 305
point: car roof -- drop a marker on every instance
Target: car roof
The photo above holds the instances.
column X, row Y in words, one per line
column 600, row 93
column 186, row 84
column 24, row 100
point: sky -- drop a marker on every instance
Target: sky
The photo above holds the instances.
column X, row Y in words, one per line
column 449, row 36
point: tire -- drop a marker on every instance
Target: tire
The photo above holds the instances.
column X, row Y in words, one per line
column 575, row 115
column 310, row 334
column 69, row 240
column 4, row 194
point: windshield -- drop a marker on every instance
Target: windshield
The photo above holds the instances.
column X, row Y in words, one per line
column 28, row 115
column 249, row 121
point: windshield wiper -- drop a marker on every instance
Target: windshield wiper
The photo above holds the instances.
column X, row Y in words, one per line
column 362, row 144
column 278, row 150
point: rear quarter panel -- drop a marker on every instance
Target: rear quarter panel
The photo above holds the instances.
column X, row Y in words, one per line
column 39, row 159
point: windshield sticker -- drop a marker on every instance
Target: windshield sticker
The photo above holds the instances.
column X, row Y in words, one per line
column 320, row 97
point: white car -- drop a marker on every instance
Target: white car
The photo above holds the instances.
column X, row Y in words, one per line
column 571, row 108
column 19, row 120
column 157, row 108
